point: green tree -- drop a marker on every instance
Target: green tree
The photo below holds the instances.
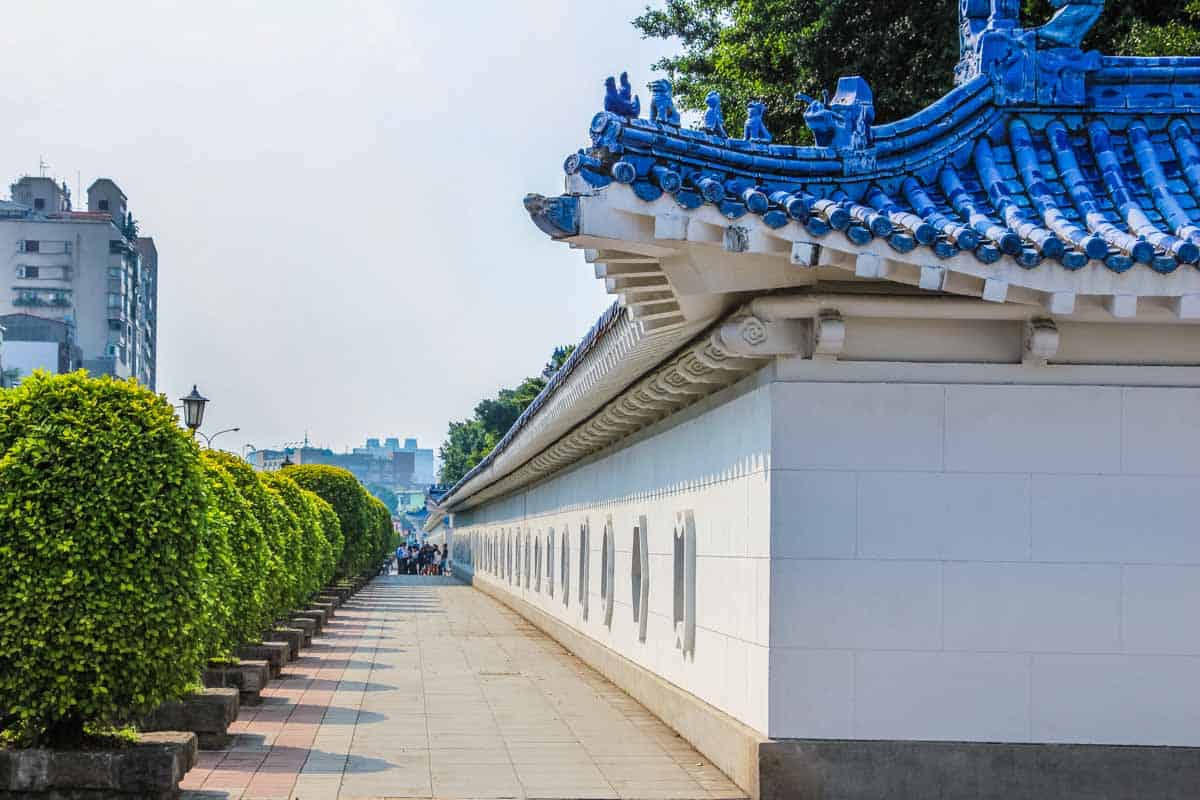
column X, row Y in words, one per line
column 469, row 441
column 770, row 49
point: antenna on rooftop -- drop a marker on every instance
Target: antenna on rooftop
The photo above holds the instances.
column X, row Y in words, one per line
column 42, row 166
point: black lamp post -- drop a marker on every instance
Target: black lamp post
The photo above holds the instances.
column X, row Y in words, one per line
column 193, row 409
column 287, row 461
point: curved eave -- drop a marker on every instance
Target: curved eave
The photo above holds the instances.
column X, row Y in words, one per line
column 616, row 351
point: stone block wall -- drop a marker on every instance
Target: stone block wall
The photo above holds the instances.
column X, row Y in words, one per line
column 985, row 563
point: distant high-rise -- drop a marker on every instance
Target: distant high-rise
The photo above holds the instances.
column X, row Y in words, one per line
column 87, row 270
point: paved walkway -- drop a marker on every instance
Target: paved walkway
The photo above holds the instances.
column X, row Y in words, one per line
column 423, row 688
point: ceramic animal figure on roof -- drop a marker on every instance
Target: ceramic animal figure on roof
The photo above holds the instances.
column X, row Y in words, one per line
column 621, row 102
column 662, row 102
column 714, row 120
column 1070, row 23
column 756, row 129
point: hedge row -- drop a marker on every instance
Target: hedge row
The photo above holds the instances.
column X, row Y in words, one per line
column 129, row 557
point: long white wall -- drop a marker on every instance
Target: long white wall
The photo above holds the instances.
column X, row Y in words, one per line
column 985, row 562
column 711, row 460
column 893, row 560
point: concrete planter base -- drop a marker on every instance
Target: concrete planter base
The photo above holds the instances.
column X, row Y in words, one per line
column 151, row 769
column 208, row 714
column 320, row 605
column 318, row 617
column 305, row 624
column 293, row 637
column 248, row 677
column 274, row 653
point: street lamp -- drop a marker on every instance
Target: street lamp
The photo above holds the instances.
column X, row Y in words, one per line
column 193, row 409
column 209, row 439
column 287, row 461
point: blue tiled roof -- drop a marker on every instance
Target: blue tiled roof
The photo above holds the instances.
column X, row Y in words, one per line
column 1044, row 153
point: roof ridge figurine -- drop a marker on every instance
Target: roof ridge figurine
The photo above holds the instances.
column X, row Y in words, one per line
column 621, row 102
column 1043, row 153
column 756, row 129
column 662, row 102
column 714, row 120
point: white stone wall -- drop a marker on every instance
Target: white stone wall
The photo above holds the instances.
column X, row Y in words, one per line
column 891, row 560
column 985, row 562
column 712, row 460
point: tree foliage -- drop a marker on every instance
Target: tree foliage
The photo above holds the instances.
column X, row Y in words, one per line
column 102, row 569
column 244, row 597
column 771, row 49
column 128, row 558
column 352, row 504
column 469, row 441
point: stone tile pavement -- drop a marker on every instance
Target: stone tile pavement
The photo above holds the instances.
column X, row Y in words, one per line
column 426, row 688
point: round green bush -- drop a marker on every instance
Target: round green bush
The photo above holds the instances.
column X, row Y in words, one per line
column 101, row 513
column 341, row 489
column 273, row 516
column 381, row 530
column 243, row 613
column 332, row 527
column 312, row 548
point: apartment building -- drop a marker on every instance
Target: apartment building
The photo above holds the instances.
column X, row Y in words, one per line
column 88, row 270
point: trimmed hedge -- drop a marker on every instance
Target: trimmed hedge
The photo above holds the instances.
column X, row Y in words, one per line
column 245, row 595
column 309, row 550
column 342, row 490
column 102, row 507
column 128, row 557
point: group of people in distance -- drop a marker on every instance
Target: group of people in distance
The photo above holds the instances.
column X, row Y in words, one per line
column 428, row 559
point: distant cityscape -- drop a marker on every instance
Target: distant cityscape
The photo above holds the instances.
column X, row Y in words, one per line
column 404, row 469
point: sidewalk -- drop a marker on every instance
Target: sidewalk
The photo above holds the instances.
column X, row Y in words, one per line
column 424, row 687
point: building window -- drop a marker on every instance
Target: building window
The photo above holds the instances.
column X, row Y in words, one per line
column 583, row 569
column 537, row 563
column 550, row 563
column 640, row 578
column 684, row 606
column 103, row 204
column 31, row 246
column 27, row 271
column 608, row 558
column 566, row 567
column 528, row 559
column 39, row 204
column 517, row 556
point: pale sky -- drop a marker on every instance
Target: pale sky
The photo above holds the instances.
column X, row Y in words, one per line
column 334, row 188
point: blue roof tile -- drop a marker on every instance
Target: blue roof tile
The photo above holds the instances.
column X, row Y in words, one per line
column 1045, row 153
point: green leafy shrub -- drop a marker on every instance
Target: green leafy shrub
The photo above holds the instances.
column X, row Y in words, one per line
column 218, row 569
column 101, row 512
column 313, row 550
column 332, row 527
column 268, row 508
column 349, row 499
column 381, row 530
column 243, row 595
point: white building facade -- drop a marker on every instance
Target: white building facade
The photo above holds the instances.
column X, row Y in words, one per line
column 871, row 497
column 87, row 269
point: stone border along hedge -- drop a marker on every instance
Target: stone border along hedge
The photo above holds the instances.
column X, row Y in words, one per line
column 129, row 574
